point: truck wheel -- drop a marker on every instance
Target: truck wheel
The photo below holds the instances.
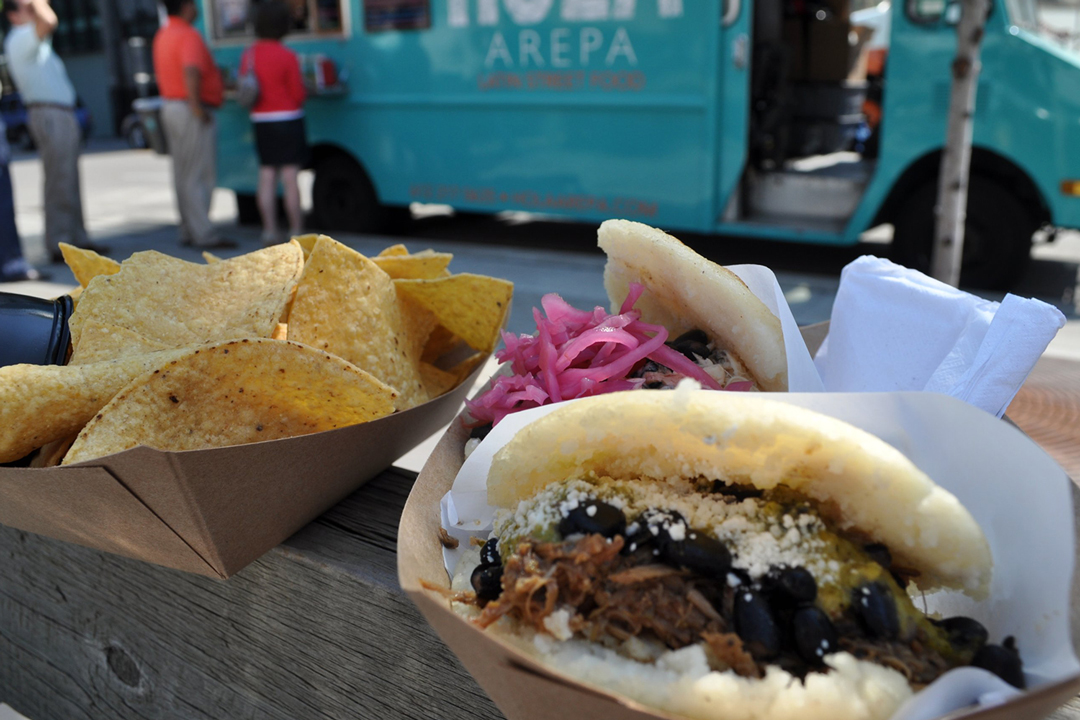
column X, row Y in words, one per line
column 344, row 199
column 247, row 209
column 997, row 234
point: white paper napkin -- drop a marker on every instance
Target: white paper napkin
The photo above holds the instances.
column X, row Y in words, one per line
column 894, row 328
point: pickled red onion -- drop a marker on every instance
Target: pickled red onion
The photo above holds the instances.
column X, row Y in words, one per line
column 575, row 354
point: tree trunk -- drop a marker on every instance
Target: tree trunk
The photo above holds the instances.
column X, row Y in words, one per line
column 956, row 158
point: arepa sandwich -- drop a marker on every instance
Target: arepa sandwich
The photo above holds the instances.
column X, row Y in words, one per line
column 720, row 555
column 673, row 315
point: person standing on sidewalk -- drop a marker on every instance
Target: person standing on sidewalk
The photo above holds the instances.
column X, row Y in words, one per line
column 13, row 267
column 191, row 88
column 49, row 97
column 278, row 117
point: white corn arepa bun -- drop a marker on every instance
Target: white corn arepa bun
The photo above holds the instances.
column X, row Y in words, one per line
column 858, row 480
column 684, row 291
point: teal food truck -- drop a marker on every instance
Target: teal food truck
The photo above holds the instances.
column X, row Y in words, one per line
column 762, row 118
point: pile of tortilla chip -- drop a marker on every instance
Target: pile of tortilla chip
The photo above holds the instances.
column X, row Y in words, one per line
column 288, row 340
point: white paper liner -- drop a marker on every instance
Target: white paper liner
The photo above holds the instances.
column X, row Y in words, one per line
column 1015, row 491
column 802, row 373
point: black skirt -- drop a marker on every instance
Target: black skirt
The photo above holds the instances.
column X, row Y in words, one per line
column 281, row 142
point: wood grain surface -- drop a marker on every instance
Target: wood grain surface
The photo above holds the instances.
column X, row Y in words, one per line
column 318, row 628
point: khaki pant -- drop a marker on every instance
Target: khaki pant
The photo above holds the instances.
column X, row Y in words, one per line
column 56, row 133
column 193, row 146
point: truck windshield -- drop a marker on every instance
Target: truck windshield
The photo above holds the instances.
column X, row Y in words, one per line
column 1059, row 22
column 1023, row 13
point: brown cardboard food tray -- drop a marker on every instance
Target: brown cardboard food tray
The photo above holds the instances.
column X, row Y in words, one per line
column 212, row 512
column 526, row 690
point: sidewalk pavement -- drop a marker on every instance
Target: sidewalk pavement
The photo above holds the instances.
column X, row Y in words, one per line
column 129, row 206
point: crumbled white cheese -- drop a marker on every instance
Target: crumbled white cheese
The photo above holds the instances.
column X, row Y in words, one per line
column 558, row 624
column 759, row 539
column 470, row 445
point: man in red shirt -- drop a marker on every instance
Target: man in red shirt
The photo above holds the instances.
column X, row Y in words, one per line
column 191, row 87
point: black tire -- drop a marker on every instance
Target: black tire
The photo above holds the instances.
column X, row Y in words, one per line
column 997, row 234
column 247, row 210
column 344, row 199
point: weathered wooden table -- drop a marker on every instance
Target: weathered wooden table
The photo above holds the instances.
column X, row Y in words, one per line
column 318, row 628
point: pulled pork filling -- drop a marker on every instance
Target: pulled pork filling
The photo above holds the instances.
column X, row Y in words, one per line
column 642, row 581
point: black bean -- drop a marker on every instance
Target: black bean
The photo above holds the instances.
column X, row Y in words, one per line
column 480, row 431
column 880, row 554
column 1002, row 660
column 594, row 517
column 699, row 552
column 739, row 492
column 638, row 539
column 875, row 607
column 795, row 583
column 489, row 554
column 964, row 633
column 487, row 582
column 693, row 351
column 755, row 624
column 697, row 336
column 815, row 636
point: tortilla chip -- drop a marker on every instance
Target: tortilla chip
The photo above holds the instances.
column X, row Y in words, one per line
column 436, row 381
column 101, row 341
column 87, row 264
column 393, row 251
column 42, row 403
column 464, row 368
column 179, row 303
column 210, row 257
column 346, row 305
column 307, row 242
column 439, row 343
column 282, row 332
column 471, row 306
column 421, row 266
column 235, row 392
column 52, row 453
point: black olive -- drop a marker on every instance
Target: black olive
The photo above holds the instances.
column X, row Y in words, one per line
column 699, row 552
column 480, row 431
column 880, row 554
column 795, row 583
column 594, row 517
column 755, row 624
column 489, row 554
column 487, row 582
column 815, row 636
column 697, row 336
column 875, row 607
column 1002, row 660
column 964, row 633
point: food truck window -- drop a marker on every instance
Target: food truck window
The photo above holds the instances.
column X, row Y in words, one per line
column 233, row 18
column 382, row 15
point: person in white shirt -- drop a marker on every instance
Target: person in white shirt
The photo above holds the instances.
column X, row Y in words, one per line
column 49, row 97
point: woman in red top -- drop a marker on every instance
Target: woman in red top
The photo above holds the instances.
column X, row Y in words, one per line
column 278, row 117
